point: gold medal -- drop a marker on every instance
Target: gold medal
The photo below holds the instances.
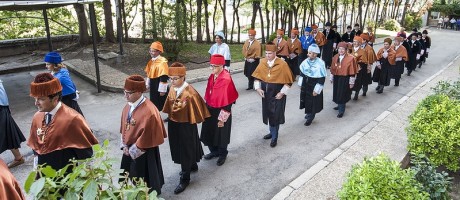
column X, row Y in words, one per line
column 133, row 122
column 127, row 127
column 40, row 133
column 356, row 54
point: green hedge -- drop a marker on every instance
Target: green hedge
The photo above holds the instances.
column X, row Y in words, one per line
column 381, row 178
column 434, row 130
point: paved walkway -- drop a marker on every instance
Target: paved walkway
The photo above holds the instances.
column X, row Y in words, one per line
column 386, row 134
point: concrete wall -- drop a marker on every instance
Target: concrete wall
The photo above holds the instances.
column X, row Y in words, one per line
column 28, row 45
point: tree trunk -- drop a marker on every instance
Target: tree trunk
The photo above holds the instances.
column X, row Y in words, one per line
column 404, row 12
column 191, row 22
column 261, row 23
column 304, row 16
column 199, row 35
column 267, row 17
column 224, row 8
column 109, row 34
column 235, row 9
column 365, row 13
column 184, row 20
column 238, row 21
column 352, row 12
column 162, row 21
column 143, row 20
column 360, row 12
column 154, row 22
column 214, row 19
column 277, row 12
column 377, row 13
column 82, row 24
column 206, row 16
column 125, row 24
column 255, row 5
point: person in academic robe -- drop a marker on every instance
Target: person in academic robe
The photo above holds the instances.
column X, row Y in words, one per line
column 422, row 49
column 413, row 51
column 157, row 75
column 328, row 48
column 370, row 59
column 220, row 95
column 58, row 133
column 10, row 188
column 386, row 57
column 348, row 36
column 142, row 131
column 282, row 48
column 222, row 48
column 343, row 71
column 252, row 50
column 361, row 58
column 53, row 61
column 357, row 30
column 371, row 35
column 401, row 59
column 11, row 136
column 427, row 40
column 320, row 38
column 312, row 76
column 185, row 109
column 306, row 40
column 273, row 80
column 295, row 49
column 338, row 38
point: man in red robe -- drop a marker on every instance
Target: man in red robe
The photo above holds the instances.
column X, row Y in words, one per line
column 220, row 95
column 9, row 187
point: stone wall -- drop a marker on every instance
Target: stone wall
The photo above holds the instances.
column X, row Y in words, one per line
column 28, row 45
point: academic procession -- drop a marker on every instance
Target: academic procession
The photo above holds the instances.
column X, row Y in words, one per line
column 301, row 62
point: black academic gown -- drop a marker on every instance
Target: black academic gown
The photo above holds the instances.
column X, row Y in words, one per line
column 157, row 100
column 412, row 51
column 312, row 104
column 211, row 135
column 184, row 143
column 328, row 50
column 382, row 75
column 272, row 108
column 341, row 89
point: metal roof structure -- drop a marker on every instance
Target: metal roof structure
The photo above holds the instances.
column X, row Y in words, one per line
column 24, row 5
column 40, row 4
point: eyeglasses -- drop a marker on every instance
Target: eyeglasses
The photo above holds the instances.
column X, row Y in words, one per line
column 128, row 93
column 152, row 50
column 213, row 66
column 175, row 79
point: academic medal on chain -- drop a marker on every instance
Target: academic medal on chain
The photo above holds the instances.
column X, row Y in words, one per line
column 40, row 133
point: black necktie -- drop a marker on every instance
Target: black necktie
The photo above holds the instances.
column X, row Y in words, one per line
column 48, row 118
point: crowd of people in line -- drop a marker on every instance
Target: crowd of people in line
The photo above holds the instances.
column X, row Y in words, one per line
column 59, row 131
column 445, row 23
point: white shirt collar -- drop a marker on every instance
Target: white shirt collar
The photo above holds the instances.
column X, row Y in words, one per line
column 356, row 48
column 155, row 58
column 271, row 63
column 180, row 89
column 137, row 102
column 55, row 109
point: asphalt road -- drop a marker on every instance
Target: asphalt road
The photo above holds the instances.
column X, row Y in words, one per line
column 253, row 170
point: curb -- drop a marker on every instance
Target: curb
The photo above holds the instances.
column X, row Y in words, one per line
column 22, row 68
column 334, row 154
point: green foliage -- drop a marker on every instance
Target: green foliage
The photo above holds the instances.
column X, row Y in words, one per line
column 448, row 9
column 381, row 178
column 433, row 130
column 438, row 185
column 171, row 49
column 28, row 24
column 452, row 90
column 412, row 21
column 392, row 25
column 92, row 178
column 273, row 36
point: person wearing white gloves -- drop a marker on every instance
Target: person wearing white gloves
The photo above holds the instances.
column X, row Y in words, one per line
column 343, row 71
column 386, row 61
column 413, row 51
column 142, row 131
column 311, row 81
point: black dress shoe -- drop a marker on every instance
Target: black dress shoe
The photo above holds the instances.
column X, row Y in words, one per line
column 340, row 115
column 377, row 88
column 273, row 143
column 210, row 156
column 307, row 123
column 221, row 161
column 249, row 88
column 364, row 94
column 268, row 136
column 379, row 91
column 166, row 120
column 336, row 108
column 194, row 167
column 181, row 187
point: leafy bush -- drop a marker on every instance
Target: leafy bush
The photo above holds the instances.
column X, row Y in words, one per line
column 412, row 21
column 92, row 178
column 171, row 49
column 273, row 36
column 434, row 131
column 438, row 185
column 392, row 25
column 381, row 178
column 452, row 90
